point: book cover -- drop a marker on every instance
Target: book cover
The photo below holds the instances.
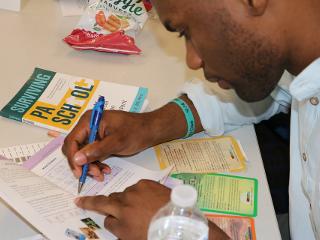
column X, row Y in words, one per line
column 56, row 101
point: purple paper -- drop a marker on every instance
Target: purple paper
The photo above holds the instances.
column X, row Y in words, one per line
column 43, row 153
column 172, row 182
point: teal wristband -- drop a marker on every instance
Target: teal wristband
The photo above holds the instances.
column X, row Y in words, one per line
column 188, row 116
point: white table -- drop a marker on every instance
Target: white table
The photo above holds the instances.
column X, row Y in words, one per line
column 33, row 38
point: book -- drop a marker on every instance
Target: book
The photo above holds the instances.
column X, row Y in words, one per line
column 56, row 101
column 43, row 189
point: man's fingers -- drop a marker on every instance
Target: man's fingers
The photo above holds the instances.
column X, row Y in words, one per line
column 69, row 148
column 97, row 151
column 95, row 172
column 101, row 204
column 53, row 134
column 95, row 203
column 104, row 168
column 76, row 139
column 112, row 224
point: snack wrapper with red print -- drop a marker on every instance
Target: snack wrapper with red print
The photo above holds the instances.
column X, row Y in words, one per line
column 147, row 4
column 109, row 26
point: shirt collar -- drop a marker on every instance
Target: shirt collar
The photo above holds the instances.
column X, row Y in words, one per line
column 307, row 83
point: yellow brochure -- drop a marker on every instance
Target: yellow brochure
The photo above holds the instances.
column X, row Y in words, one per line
column 205, row 155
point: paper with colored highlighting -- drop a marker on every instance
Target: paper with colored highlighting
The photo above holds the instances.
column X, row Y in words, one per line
column 205, row 155
column 224, row 193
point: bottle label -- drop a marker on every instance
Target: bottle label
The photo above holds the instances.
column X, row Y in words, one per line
column 205, row 236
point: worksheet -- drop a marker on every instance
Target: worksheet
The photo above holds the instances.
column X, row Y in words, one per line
column 237, row 228
column 204, row 155
column 43, row 189
column 224, row 193
column 46, row 206
column 51, row 164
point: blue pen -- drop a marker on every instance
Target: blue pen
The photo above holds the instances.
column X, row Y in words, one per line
column 96, row 115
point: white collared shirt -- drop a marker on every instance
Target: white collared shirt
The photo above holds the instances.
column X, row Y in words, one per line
column 221, row 111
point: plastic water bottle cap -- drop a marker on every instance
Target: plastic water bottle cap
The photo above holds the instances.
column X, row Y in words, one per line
column 184, row 196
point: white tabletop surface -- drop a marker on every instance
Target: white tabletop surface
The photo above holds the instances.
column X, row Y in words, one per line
column 33, row 38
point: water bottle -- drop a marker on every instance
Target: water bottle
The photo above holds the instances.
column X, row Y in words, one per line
column 180, row 219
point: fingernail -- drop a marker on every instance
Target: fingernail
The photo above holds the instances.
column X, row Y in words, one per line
column 53, row 134
column 99, row 178
column 106, row 170
column 76, row 201
column 76, row 173
column 80, row 158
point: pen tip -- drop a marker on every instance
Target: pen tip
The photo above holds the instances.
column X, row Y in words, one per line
column 80, row 187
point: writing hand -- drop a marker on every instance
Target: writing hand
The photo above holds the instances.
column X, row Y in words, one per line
column 122, row 134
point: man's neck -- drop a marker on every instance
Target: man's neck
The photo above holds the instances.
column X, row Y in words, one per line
column 303, row 35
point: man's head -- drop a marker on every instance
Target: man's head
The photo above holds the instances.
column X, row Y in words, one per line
column 239, row 43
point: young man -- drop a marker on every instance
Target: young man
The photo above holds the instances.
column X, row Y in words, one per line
column 241, row 44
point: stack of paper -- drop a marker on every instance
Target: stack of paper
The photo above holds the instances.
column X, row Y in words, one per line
column 13, row 5
column 43, row 190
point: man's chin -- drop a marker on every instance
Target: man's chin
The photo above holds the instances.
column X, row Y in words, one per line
column 224, row 84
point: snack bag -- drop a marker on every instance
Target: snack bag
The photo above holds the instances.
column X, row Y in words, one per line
column 109, row 26
column 147, row 4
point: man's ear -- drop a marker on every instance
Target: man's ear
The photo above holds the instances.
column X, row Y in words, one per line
column 256, row 7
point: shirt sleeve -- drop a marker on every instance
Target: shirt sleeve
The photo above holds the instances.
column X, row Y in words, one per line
column 221, row 111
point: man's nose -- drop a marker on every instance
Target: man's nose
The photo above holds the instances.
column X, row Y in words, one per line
column 193, row 60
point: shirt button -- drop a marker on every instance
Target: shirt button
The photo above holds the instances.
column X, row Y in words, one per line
column 304, row 157
column 314, row 101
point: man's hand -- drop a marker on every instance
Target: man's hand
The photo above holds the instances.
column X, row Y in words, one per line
column 122, row 134
column 129, row 213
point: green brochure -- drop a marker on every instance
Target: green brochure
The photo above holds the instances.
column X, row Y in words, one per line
column 224, row 193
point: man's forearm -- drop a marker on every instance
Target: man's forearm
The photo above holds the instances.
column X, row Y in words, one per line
column 169, row 122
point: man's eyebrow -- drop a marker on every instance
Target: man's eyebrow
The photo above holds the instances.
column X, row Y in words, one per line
column 168, row 26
